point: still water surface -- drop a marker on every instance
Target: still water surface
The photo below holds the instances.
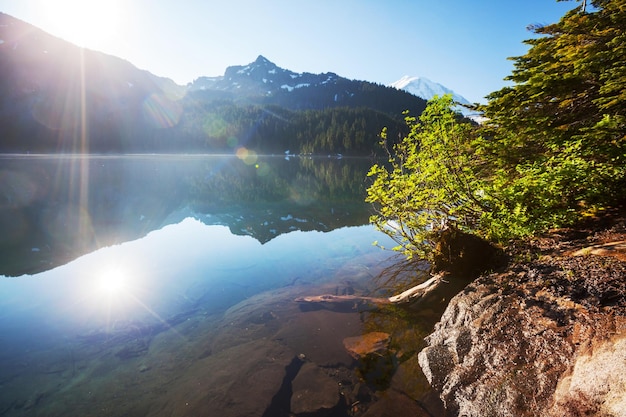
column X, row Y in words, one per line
column 165, row 285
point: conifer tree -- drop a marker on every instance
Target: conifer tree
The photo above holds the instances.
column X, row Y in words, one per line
column 563, row 121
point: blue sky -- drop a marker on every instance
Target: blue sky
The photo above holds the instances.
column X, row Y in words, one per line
column 462, row 44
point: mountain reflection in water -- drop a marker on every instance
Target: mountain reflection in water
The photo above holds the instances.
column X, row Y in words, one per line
column 165, row 285
column 54, row 209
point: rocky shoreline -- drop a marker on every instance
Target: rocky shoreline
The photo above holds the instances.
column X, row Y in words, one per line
column 545, row 336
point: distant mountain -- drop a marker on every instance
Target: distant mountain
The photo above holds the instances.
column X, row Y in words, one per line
column 263, row 82
column 424, row 88
column 57, row 97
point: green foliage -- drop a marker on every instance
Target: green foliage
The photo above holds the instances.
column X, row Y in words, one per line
column 552, row 150
column 430, row 181
column 564, row 119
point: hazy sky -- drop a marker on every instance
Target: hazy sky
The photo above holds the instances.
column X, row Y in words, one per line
column 462, row 44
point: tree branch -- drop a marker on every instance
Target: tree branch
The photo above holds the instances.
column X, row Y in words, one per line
column 412, row 293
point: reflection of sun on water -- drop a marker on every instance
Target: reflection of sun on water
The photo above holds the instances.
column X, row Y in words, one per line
column 113, row 282
column 116, row 296
column 112, row 293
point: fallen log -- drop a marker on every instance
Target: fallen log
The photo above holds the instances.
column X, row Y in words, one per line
column 412, row 293
column 328, row 298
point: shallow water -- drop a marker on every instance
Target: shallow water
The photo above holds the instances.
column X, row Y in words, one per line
column 165, row 286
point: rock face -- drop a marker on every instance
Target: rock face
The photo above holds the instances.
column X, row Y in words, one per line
column 547, row 337
column 596, row 384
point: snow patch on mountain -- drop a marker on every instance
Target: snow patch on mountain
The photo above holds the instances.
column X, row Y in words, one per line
column 427, row 89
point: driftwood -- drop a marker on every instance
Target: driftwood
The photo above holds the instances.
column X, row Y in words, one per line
column 412, row 293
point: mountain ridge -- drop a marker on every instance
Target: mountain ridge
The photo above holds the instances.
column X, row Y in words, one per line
column 261, row 77
column 264, row 82
column 60, row 98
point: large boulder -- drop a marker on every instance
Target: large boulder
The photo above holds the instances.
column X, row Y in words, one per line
column 596, row 383
column 546, row 338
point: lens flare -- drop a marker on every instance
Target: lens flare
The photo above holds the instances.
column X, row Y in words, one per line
column 262, row 169
column 161, row 112
column 248, row 156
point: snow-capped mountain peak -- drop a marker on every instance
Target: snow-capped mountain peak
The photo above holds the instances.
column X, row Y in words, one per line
column 261, row 67
column 425, row 88
column 263, row 82
column 262, row 78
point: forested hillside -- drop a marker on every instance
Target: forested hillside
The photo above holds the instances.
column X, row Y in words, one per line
column 224, row 126
column 57, row 97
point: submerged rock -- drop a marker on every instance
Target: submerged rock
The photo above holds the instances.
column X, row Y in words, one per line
column 369, row 343
column 313, row 390
column 376, row 363
column 394, row 404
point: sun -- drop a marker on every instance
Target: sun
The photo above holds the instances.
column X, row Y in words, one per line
column 87, row 23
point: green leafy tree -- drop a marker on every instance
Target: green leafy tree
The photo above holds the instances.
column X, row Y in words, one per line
column 430, row 183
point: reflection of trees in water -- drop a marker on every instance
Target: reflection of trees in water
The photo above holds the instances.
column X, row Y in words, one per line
column 339, row 178
column 230, row 180
column 275, row 179
column 313, row 182
column 66, row 207
column 82, row 203
column 273, row 195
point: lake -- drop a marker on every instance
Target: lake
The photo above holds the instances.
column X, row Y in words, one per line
column 155, row 285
